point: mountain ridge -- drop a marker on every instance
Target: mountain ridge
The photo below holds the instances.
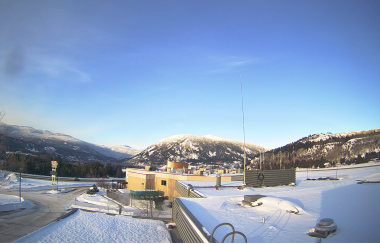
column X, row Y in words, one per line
column 191, row 148
column 46, row 142
column 324, row 149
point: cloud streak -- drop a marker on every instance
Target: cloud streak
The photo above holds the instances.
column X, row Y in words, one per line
column 229, row 63
column 57, row 67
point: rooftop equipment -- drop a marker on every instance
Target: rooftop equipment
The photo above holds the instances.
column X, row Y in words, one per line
column 218, row 180
column 249, row 199
column 324, row 228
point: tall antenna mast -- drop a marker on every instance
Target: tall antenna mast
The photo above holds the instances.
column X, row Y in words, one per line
column 242, row 110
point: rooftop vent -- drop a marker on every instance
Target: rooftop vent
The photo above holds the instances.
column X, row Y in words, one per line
column 249, row 199
column 324, row 228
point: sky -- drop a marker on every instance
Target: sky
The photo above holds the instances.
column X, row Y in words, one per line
column 135, row 72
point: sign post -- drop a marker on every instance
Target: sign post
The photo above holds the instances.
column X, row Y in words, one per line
column 20, row 185
column 53, row 172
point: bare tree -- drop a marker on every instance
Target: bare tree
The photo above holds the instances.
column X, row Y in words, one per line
column 147, row 205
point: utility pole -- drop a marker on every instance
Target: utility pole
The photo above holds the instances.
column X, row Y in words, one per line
column 280, row 157
column 294, row 162
column 20, row 185
column 242, row 110
column 264, row 160
column 260, row 160
column 57, row 180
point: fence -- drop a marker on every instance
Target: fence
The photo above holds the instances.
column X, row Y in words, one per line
column 186, row 191
column 123, row 198
column 189, row 228
column 259, row 178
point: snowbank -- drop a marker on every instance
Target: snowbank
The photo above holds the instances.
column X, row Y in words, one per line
column 55, row 191
column 84, row 227
column 9, row 203
column 96, row 199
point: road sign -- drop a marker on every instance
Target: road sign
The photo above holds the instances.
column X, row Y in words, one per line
column 54, row 164
column 53, row 172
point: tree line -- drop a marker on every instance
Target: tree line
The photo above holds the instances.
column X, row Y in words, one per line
column 287, row 161
column 41, row 165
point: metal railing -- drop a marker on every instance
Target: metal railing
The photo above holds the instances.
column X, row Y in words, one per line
column 191, row 230
column 227, row 235
column 186, row 190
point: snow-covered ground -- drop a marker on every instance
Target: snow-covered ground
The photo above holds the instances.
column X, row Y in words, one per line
column 354, row 208
column 96, row 226
column 9, row 181
column 101, row 203
column 84, row 227
column 9, row 203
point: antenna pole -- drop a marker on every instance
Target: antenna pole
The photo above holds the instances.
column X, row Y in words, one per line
column 263, row 160
column 260, row 160
column 242, row 109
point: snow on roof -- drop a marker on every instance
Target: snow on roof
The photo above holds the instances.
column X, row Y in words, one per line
column 353, row 207
column 84, row 227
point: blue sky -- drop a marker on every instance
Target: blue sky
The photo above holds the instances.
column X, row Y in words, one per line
column 134, row 72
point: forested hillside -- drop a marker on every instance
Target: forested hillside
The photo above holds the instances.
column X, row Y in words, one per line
column 318, row 149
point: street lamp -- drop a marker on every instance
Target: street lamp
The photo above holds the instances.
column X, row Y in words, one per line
column 57, row 179
column 20, row 185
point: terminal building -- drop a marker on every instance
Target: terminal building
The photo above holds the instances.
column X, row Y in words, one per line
column 164, row 182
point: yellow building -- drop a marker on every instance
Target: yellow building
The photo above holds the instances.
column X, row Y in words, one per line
column 176, row 165
column 164, row 182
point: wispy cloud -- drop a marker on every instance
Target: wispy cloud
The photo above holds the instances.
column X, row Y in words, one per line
column 57, row 67
column 228, row 63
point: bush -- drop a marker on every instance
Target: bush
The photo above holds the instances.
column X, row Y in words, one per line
column 93, row 190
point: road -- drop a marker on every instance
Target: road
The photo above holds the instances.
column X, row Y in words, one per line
column 47, row 208
column 45, row 177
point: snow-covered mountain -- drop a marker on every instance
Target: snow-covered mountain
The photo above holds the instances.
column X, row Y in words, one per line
column 122, row 149
column 318, row 149
column 30, row 140
column 190, row 148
